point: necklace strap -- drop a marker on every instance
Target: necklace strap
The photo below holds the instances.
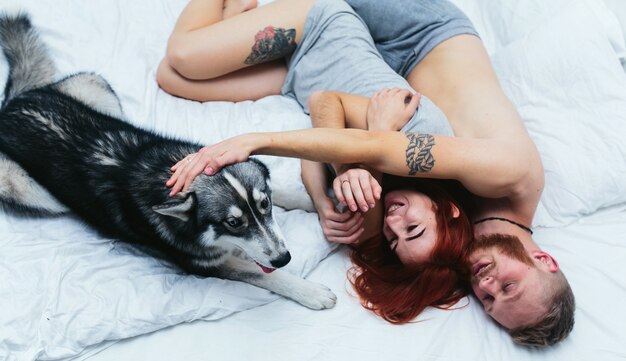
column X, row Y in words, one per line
column 527, row 229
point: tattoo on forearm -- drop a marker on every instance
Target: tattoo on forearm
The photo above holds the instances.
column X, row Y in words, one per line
column 418, row 153
column 270, row 44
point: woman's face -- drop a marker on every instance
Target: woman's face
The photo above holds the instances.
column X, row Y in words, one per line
column 410, row 225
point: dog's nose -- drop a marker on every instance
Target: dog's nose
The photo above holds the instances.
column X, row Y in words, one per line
column 281, row 261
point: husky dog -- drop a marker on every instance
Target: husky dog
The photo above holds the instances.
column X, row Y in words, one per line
column 66, row 149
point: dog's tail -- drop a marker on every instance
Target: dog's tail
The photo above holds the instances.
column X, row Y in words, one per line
column 30, row 66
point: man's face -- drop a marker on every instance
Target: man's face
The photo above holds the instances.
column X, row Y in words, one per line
column 507, row 282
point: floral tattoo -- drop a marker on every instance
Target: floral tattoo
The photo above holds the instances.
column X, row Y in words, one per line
column 419, row 158
column 270, row 44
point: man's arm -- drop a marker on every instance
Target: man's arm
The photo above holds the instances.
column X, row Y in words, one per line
column 331, row 109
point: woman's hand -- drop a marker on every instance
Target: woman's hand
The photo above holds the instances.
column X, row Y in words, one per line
column 357, row 189
column 339, row 227
column 391, row 109
column 210, row 160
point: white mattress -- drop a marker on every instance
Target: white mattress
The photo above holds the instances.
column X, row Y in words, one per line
column 68, row 293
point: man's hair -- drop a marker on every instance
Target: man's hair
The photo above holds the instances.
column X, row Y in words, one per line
column 556, row 324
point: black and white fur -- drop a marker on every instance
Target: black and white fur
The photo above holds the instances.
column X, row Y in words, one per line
column 64, row 147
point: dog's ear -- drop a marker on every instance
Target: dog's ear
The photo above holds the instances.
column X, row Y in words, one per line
column 179, row 206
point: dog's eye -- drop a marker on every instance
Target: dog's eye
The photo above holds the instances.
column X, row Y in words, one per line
column 265, row 203
column 234, row 222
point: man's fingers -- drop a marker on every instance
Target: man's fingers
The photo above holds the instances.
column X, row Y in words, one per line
column 337, row 216
column 356, row 223
column 331, row 232
column 332, row 228
column 348, row 239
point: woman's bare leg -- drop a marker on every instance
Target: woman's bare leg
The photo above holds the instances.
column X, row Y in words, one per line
column 205, row 46
column 251, row 83
column 253, row 37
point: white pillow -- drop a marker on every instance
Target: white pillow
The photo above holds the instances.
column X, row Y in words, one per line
column 567, row 82
column 619, row 9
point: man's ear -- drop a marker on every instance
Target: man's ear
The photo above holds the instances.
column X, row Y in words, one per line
column 179, row 206
column 545, row 260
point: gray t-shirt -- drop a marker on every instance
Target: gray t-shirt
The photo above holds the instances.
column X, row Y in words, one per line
column 337, row 53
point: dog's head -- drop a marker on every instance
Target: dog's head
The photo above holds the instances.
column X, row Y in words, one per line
column 234, row 207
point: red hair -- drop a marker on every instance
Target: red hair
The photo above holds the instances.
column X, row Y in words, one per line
column 399, row 293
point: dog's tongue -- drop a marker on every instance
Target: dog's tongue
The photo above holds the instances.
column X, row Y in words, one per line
column 266, row 269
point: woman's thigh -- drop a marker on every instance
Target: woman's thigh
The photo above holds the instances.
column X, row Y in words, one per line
column 260, row 35
column 250, row 83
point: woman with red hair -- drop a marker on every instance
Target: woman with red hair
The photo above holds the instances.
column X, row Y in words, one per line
column 399, row 288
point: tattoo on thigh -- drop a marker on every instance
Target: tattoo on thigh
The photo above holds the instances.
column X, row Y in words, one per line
column 418, row 153
column 270, row 44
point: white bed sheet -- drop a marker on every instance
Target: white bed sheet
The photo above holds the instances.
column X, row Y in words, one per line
column 591, row 252
column 59, row 268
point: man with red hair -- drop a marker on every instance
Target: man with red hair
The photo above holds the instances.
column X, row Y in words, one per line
column 511, row 275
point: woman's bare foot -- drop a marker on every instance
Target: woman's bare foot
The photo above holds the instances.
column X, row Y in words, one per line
column 234, row 7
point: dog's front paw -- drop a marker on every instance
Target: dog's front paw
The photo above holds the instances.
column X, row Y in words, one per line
column 309, row 294
column 315, row 296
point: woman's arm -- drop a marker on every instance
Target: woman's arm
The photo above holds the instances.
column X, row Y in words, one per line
column 332, row 109
column 487, row 167
column 388, row 109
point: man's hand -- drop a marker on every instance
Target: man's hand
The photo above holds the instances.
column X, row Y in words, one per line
column 391, row 109
column 345, row 228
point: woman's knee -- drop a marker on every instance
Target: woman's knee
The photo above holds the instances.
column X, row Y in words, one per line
column 166, row 78
column 193, row 61
column 179, row 56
